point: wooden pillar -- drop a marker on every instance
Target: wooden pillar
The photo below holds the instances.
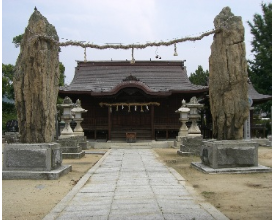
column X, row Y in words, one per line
column 109, row 123
column 152, row 123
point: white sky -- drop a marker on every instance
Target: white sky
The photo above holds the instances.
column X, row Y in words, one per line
column 127, row 22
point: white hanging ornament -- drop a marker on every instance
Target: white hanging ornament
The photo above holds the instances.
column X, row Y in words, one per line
column 132, row 59
column 175, row 50
column 85, row 55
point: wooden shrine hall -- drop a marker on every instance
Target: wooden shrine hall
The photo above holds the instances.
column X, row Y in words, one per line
column 139, row 98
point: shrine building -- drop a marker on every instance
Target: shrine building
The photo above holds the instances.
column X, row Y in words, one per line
column 122, row 97
column 142, row 98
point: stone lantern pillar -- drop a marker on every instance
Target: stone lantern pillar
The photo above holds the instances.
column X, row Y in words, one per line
column 183, row 110
column 193, row 105
column 183, row 132
column 191, row 144
column 77, row 111
column 67, row 117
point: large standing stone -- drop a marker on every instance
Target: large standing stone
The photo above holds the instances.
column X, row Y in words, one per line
column 228, row 77
column 36, row 81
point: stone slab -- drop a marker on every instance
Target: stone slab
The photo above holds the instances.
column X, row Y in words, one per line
column 192, row 144
column 123, row 145
column 185, row 154
column 31, row 157
column 37, row 175
column 73, row 155
column 95, row 152
column 253, row 169
column 155, row 191
column 229, row 153
column 84, row 145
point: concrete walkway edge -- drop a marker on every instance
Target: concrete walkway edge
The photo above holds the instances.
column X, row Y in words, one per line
column 62, row 205
column 202, row 202
column 207, row 206
column 53, row 214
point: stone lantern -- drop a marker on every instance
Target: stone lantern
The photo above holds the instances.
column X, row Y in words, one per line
column 67, row 117
column 183, row 110
column 193, row 105
column 77, row 111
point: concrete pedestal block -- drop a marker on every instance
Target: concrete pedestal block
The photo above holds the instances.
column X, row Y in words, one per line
column 70, row 147
column 178, row 142
column 33, row 161
column 77, row 155
column 79, row 134
column 229, row 153
column 191, row 145
column 12, row 137
column 84, row 145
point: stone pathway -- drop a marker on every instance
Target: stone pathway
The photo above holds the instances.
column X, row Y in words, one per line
column 132, row 184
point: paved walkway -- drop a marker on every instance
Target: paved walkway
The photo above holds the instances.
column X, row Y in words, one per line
column 132, row 184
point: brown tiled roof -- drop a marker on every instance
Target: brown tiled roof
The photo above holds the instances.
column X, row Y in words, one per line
column 99, row 78
column 153, row 77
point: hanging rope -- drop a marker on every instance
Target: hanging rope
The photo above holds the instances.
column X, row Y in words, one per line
column 131, row 46
column 138, row 46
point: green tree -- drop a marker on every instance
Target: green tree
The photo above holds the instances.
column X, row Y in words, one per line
column 61, row 80
column 17, row 40
column 260, row 69
column 62, row 74
column 8, row 109
column 199, row 77
column 7, row 81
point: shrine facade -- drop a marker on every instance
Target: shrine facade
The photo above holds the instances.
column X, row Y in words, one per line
column 138, row 98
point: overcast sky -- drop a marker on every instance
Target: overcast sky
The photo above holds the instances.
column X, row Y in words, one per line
column 126, row 22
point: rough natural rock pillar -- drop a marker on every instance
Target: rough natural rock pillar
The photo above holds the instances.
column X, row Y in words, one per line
column 36, row 81
column 228, row 77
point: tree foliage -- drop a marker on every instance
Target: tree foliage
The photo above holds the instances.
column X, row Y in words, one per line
column 261, row 66
column 17, row 40
column 62, row 74
column 260, row 69
column 199, row 77
column 7, row 81
column 8, row 109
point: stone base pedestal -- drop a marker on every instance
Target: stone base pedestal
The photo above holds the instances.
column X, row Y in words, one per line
column 191, row 145
column 253, row 169
column 66, row 136
column 12, row 137
column 177, row 142
column 229, row 153
column 79, row 134
column 82, row 141
column 33, row 161
column 70, row 148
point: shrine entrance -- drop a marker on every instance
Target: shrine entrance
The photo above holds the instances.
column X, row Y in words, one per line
column 132, row 112
column 135, row 121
